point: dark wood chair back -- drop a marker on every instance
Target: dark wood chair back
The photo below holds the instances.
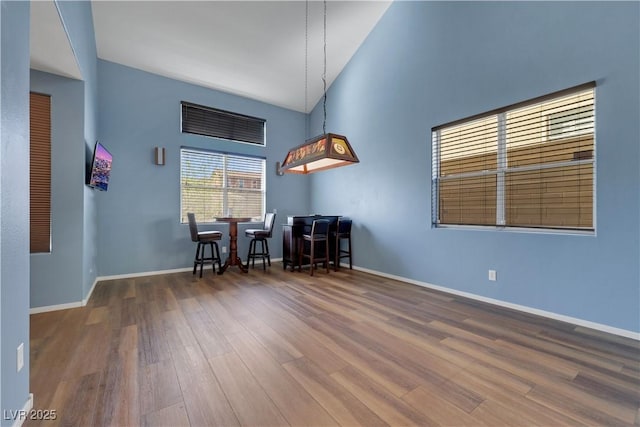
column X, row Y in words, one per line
column 269, row 221
column 319, row 229
column 193, row 226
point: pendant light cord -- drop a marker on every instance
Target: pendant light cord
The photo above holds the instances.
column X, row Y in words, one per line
column 306, row 54
column 324, row 73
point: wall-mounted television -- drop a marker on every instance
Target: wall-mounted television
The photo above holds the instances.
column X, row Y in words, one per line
column 100, row 168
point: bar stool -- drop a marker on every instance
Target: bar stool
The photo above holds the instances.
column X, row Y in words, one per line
column 204, row 238
column 343, row 231
column 261, row 235
column 319, row 234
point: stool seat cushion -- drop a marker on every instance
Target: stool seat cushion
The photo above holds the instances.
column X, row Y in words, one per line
column 205, row 236
column 257, row 233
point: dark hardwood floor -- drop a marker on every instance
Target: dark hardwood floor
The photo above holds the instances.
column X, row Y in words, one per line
column 345, row 348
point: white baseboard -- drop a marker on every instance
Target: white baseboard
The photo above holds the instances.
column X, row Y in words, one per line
column 47, row 308
column 65, row 306
column 548, row 314
column 144, row 273
column 158, row 272
column 23, row 414
column 86, row 299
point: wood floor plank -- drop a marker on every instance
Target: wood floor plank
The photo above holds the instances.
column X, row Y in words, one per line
column 345, row 348
column 526, row 369
column 189, row 305
column 311, row 347
column 388, row 407
column 96, row 340
column 211, row 340
column 128, row 312
column 118, row 395
column 159, row 387
column 425, row 365
column 344, row 407
column 251, row 404
column 422, row 338
column 97, row 315
column 516, row 336
column 176, row 330
column 388, row 373
column 278, row 345
column 205, row 401
column 501, row 378
column 52, row 358
column 612, row 410
column 74, row 401
column 220, row 315
column 440, row 410
column 506, row 403
column 152, row 342
column 299, row 334
column 298, row 407
column 170, row 416
column 609, row 385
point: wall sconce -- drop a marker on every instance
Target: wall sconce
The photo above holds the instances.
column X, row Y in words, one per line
column 159, row 156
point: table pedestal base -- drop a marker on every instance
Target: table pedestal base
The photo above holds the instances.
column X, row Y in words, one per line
column 233, row 258
column 233, row 261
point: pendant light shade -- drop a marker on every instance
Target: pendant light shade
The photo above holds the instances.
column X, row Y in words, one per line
column 328, row 150
column 323, row 152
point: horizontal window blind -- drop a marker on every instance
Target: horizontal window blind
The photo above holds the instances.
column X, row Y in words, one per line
column 40, row 173
column 214, row 184
column 207, row 121
column 530, row 165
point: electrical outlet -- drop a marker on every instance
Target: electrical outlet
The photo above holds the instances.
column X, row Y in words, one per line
column 224, row 249
column 492, row 275
column 20, row 356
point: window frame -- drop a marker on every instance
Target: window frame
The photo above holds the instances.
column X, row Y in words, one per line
column 225, row 188
column 502, row 168
column 230, row 120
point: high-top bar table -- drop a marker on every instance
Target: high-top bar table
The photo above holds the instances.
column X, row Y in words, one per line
column 233, row 258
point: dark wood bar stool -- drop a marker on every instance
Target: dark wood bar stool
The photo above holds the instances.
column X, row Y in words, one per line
column 204, row 238
column 261, row 235
column 343, row 232
column 319, row 234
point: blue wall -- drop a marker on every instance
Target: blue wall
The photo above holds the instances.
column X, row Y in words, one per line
column 56, row 277
column 78, row 23
column 428, row 63
column 66, row 275
column 14, row 205
column 139, row 216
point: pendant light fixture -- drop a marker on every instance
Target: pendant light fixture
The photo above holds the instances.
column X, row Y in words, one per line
column 326, row 151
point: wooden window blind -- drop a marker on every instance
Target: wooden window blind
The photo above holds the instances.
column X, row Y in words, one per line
column 529, row 165
column 40, row 173
column 207, row 121
column 214, row 184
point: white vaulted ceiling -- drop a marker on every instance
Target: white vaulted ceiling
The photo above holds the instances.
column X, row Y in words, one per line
column 254, row 49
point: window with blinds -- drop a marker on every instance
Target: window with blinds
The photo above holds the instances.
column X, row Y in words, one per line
column 214, row 184
column 40, row 173
column 529, row 165
column 207, row 121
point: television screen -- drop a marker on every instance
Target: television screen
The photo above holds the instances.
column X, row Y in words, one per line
column 100, row 168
